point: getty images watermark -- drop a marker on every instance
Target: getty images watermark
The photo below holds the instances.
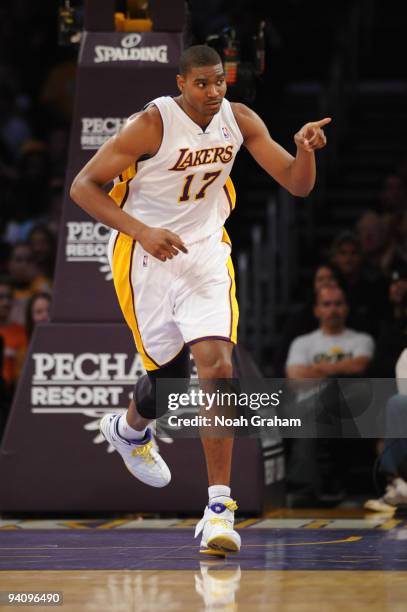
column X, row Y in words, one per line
column 333, row 408
column 209, row 402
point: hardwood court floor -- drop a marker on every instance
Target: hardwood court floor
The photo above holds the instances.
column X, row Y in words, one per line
column 290, row 561
column 193, row 591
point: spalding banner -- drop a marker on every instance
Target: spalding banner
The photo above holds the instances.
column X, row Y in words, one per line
column 118, row 74
column 138, row 48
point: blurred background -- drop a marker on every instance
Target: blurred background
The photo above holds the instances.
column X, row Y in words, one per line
column 292, row 61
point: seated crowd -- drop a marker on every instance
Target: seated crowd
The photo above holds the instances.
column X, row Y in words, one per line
column 353, row 324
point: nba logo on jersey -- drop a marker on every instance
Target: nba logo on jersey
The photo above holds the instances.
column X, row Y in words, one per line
column 145, row 261
column 226, row 132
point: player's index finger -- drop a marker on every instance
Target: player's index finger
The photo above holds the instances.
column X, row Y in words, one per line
column 323, row 122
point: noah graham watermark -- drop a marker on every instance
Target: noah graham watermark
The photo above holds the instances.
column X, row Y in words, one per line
column 206, row 401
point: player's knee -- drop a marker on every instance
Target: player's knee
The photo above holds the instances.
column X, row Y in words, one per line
column 219, row 368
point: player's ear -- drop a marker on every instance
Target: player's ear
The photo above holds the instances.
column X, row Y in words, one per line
column 180, row 82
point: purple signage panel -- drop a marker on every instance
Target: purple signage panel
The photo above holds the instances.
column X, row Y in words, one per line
column 54, row 459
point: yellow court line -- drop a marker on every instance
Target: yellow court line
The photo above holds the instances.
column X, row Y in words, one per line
column 280, row 544
column 350, row 539
column 246, row 523
column 114, row 523
column 74, row 525
column 337, row 560
column 390, row 524
column 279, row 513
column 9, row 527
column 316, row 524
column 187, row 523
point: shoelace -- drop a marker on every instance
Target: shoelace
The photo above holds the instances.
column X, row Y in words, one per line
column 144, row 452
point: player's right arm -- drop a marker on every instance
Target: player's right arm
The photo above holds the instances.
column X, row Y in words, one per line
column 140, row 136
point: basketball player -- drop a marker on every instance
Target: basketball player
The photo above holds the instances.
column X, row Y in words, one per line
column 170, row 254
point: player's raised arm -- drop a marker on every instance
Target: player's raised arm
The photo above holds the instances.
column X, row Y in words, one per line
column 141, row 136
column 296, row 174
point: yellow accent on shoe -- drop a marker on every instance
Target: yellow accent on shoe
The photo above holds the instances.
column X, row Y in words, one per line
column 231, row 505
column 144, row 451
column 220, row 521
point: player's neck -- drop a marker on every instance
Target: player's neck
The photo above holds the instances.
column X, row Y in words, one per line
column 202, row 120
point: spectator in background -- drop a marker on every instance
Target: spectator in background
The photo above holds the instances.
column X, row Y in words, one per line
column 14, row 338
column 398, row 256
column 332, row 350
column 393, row 195
column 58, row 89
column 303, row 320
column 57, row 145
column 38, row 311
column 15, row 128
column 28, row 200
column 34, row 176
column 56, row 198
column 392, row 339
column 366, row 289
column 393, row 459
column 377, row 239
column 4, row 257
column 43, row 246
column 4, row 398
column 398, row 293
column 24, row 278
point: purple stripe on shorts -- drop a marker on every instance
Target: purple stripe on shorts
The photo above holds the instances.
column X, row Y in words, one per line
column 208, row 338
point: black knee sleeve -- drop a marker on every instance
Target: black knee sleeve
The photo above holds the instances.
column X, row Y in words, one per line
column 145, row 391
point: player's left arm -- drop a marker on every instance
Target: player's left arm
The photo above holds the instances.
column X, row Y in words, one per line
column 296, row 174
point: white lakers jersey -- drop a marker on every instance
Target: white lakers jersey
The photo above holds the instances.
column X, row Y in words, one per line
column 185, row 187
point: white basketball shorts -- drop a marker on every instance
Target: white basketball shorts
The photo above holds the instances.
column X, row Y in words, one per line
column 186, row 299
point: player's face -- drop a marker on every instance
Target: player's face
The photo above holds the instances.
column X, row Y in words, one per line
column 203, row 89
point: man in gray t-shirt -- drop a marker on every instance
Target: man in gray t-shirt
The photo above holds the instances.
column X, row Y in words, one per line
column 328, row 352
column 331, row 350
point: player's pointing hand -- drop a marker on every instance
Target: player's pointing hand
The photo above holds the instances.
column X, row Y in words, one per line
column 161, row 243
column 311, row 136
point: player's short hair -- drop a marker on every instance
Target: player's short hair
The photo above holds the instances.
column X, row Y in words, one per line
column 198, row 55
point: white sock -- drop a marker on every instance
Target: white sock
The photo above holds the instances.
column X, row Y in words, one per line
column 218, row 491
column 127, row 432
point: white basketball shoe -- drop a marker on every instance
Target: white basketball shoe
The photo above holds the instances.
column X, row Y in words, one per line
column 217, row 526
column 386, row 503
column 397, row 495
column 141, row 458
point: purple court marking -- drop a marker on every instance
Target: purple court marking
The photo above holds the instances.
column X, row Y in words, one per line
column 170, row 549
